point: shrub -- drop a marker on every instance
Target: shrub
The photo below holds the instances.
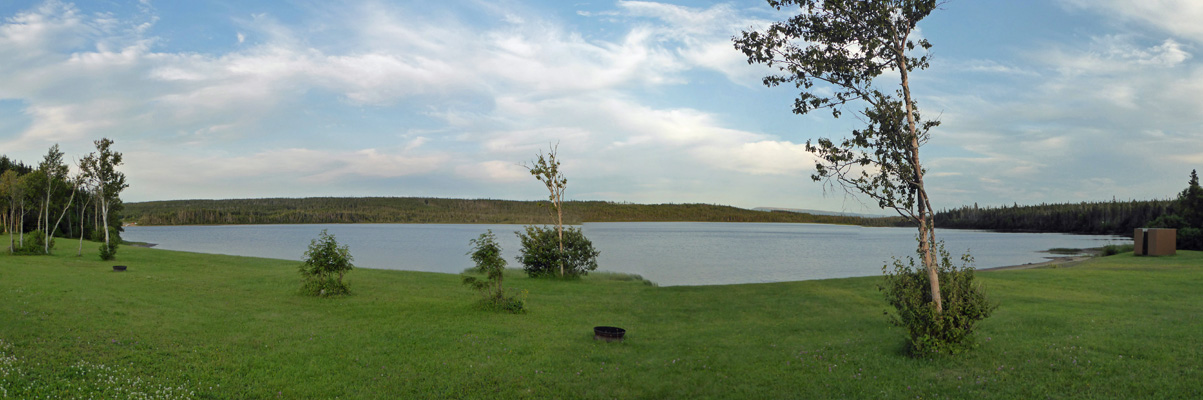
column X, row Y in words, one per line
column 325, row 264
column 34, row 244
column 540, row 254
column 108, row 252
column 486, row 253
column 1113, row 249
column 908, row 290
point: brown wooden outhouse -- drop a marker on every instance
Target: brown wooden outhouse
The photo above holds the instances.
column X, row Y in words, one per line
column 1155, row 242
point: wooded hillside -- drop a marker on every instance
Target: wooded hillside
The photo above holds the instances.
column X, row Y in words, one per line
column 436, row 210
column 1101, row 218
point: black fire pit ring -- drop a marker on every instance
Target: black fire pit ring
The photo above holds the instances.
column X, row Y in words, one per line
column 608, row 333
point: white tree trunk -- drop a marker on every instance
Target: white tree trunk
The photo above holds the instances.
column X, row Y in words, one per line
column 66, row 208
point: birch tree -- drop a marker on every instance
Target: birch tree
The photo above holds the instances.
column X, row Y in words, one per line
column 83, row 183
column 8, row 186
column 55, row 170
column 546, row 168
column 833, row 52
column 101, row 169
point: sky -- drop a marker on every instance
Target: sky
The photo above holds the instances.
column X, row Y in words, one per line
column 649, row 102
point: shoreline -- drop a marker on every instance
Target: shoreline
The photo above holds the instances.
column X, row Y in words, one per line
column 1059, row 261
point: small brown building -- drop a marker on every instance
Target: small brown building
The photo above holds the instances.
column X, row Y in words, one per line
column 1155, row 242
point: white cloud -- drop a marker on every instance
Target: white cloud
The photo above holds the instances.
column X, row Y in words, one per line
column 205, row 124
column 1177, row 17
column 496, row 171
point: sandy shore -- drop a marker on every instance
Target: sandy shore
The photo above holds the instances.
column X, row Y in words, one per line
column 1065, row 261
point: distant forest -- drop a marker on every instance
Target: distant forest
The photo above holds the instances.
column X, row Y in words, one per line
column 1098, row 218
column 435, row 210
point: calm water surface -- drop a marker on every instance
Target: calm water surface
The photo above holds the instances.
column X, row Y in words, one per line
column 668, row 253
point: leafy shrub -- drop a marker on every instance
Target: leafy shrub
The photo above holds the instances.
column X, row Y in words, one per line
column 540, row 254
column 907, row 288
column 1187, row 238
column 325, row 264
column 108, row 252
column 487, row 255
column 1113, row 249
column 34, row 244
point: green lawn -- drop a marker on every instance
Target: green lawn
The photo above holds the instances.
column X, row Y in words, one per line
column 184, row 325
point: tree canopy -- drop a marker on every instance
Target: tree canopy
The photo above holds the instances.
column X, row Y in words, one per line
column 833, row 52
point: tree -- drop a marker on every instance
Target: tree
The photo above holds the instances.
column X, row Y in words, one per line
column 83, row 183
column 325, row 264
column 486, row 253
column 1187, row 216
column 26, row 191
column 101, row 168
column 1191, row 201
column 833, row 51
column 540, row 257
column 55, row 170
column 12, row 192
column 547, row 170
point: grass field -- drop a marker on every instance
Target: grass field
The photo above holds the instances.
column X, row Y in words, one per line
column 184, row 325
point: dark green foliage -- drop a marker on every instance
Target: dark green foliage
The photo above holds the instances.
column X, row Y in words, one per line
column 1113, row 249
column 929, row 333
column 1187, row 216
column 1097, row 218
column 108, row 251
column 486, row 253
column 329, row 210
column 34, row 181
column 325, row 264
column 35, row 244
column 540, row 254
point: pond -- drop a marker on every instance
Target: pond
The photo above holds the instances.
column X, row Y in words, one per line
column 668, row 253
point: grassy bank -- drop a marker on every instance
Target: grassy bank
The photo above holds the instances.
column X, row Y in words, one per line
column 205, row 326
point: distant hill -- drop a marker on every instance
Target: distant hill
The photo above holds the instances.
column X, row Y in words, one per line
column 438, row 210
column 819, row 212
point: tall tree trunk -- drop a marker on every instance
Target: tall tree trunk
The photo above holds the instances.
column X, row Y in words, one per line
column 927, row 233
column 560, row 229
column 48, row 234
column 11, row 210
column 104, row 217
column 60, row 220
column 82, row 219
column 21, row 226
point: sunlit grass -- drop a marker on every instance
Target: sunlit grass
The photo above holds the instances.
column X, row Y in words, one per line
column 185, row 325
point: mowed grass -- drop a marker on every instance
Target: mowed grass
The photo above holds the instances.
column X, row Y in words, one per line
column 184, row 325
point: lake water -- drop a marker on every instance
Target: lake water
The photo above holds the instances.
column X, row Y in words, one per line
column 668, row 253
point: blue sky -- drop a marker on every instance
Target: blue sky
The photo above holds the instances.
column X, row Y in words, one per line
column 1041, row 101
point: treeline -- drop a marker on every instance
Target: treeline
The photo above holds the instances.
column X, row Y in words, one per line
column 437, row 210
column 1095, row 218
column 45, row 200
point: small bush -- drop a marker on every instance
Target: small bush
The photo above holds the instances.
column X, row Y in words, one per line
column 486, row 253
column 34, row 244
column 1113, row 249
column 540, row 254
column 907, row 288
column 325, row 264
column 108, row 252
